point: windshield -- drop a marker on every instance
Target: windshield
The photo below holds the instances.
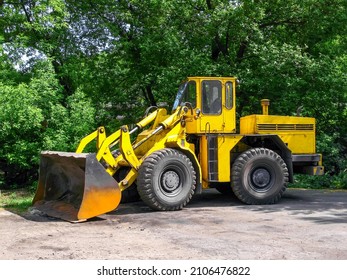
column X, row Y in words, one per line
column 186, row 93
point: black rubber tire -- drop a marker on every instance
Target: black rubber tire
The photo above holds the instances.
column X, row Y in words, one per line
column 166, row 180
column 259, row 176
column 130, row 194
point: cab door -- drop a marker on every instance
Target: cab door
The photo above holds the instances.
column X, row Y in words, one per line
column 217, row 106
column 211, row 106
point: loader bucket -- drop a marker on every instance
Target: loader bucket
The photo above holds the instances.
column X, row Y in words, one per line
column 74, row 187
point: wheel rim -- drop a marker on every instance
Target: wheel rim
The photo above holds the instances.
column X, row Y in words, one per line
column 171, row 181
column 261, row 179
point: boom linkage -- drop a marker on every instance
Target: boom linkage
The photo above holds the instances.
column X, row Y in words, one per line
column 126, row 154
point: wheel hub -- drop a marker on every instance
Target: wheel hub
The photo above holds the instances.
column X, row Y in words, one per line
column 261, row 178
column 170, row 180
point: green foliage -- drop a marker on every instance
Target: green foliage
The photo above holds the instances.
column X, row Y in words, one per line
column 38, row 26
column 19, row 117
column 67, row 125
column 33, row 118
column 80, row 64
column 326, row 181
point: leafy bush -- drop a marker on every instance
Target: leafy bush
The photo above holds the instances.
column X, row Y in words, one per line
column 34, row 116
column 334, row 161
column 326, row 181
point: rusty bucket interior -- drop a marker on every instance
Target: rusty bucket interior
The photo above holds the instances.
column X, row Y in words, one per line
column 75, row 187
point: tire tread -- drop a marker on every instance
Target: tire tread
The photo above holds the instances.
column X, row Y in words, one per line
column 240, row 163
column 144, row 181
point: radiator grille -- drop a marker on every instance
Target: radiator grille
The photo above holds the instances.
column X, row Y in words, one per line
column 281, row 127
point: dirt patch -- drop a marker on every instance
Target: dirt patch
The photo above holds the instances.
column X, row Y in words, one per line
column 305, row 224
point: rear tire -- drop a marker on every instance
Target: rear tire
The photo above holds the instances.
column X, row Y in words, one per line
column 166, row 180
column 259, row 176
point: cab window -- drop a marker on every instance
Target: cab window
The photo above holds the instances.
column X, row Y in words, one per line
column 211, row 97
column 186, row 93
column 228, row 95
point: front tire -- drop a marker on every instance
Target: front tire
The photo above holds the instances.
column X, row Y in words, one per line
column 259, row 176
column 166, row 180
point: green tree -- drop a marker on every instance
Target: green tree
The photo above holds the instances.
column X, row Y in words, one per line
column 118, row 57
column 32, row 118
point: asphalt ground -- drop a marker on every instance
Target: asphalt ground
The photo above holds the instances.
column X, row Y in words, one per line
column 304, row 225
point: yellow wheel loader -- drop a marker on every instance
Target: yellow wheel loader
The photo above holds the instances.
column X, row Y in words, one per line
column 177, row 155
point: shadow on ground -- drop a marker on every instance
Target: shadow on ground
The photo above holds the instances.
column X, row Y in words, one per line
column 318, row 206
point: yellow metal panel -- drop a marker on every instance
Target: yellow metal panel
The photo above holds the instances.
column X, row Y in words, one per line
column 211, row 124
column 225, row 145
column 298, row 133
column 314, row 170
column 299, row 143
column 247, row 124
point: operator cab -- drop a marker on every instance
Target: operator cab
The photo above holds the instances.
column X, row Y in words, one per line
column 213, row 104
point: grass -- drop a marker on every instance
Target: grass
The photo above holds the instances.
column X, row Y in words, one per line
column 17, row 201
